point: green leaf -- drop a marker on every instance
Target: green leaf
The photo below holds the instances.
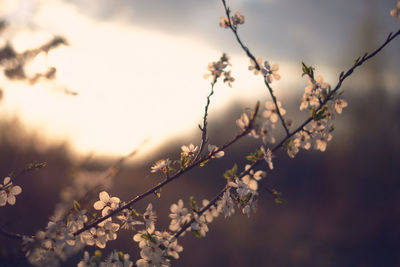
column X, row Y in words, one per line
column 121, row 256
column 169, row 257
column 158, row 192
column 197, row 233
column 256, row 156
column 287, row 144
column 320, row 114
column 193, row 204
column 35, row 166
column 246, row 198
column 77, row 206
column 97, row 254
column 184, row 161
column 232, row 173
column 135, row 212
column 307, row 70
column 204, row 163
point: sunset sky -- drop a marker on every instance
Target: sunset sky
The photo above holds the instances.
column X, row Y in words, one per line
column 138, row 66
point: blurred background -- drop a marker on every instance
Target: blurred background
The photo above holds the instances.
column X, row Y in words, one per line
column 114, row 74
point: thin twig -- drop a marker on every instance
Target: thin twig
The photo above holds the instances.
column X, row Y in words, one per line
column 11, row 235
column 258, row 67
column 203, row 128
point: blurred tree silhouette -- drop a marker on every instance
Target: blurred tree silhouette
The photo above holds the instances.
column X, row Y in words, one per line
column 13, row 63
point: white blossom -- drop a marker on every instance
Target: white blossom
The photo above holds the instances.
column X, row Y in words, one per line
column 116, row 259
column 249, row 206
column 86, row 261
column 270, row 73
column 211, row 213
column 106, row 203
column 189, row 150
column 340, row 104
column 149, row 217
column 151, row 256
column 142, row 237
column 226, row 204
column 237, row 19
column 253, row 66
column 94, row 236
column 110, row 229
column 318, row 85
column 174, row 249
column 228, row 78
column 321, row 140
column 234, row 21
column 266, row 132
column 169, row 242
column 292, row 149
column 302, row 139
column 252, row 177
column 242, row 188
column 161, row 164
column 268, row 158
column 271, row 112
column 199, row 225
column 127, row 220
column 396, row 11
column 213, row 148
column 309, row 100
column 224, row 22
column 179, row 216
column 8, row 191
column 319, row 125
column 243, row 122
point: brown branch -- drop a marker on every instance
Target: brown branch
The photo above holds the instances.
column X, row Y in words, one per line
column 172, row 178
column 342, row 77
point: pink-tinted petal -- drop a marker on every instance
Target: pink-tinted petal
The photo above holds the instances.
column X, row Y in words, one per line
column 104, row 196
column 6, row 180
column 99, row 205
column 11, row 199
column 16, row 190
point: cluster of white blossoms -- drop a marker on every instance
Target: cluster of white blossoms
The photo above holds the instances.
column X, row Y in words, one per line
column 57, row 241
column 217, row 69
column 234, row 21
column 318, row 132
column 240, row 192
column 395, row 12
column 8, row 191
column 314, row 93
column 106, row 230
column 264, row 127
column 157, row 248
column 115, row 259
column 187, row 156
column 269, row 72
